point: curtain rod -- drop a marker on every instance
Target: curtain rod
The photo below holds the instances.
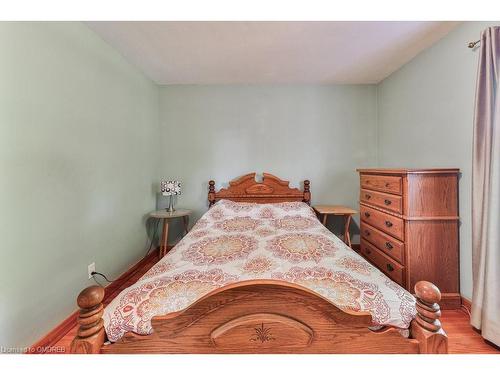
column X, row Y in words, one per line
column 473, row 44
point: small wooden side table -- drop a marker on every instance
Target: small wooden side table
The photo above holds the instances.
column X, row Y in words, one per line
column 347, row 212
column 167, row 216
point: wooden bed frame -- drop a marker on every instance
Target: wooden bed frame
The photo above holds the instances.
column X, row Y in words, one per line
column 264, row 316
column 271, row 190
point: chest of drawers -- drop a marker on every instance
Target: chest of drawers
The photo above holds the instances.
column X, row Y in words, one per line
column 409, row 227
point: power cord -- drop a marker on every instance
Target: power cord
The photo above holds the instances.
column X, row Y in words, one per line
column 94, row 273
column 466, row 310
column 153, row 237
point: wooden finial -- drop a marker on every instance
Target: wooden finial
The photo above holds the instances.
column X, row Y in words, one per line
column 211, row 192
column 428, row 311
column 90, row 336
column 426, row 327
column 307, row 191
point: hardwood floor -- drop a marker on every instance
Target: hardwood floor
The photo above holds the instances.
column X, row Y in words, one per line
column 463, row 339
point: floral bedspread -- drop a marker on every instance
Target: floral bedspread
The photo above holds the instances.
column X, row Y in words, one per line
column 243, row 241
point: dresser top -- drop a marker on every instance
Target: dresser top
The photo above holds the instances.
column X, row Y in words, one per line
column 408, row 170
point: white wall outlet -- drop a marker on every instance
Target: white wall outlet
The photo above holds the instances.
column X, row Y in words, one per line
column 91, row 268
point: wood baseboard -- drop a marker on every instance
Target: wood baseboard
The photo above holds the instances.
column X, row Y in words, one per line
column 51, row 338
column 466, row 304
column 450, row 301
column 43, row 345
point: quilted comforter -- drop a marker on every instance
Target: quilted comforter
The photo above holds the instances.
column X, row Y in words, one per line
column 244, row 241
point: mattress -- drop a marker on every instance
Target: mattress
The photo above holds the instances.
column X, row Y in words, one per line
column 235, row 242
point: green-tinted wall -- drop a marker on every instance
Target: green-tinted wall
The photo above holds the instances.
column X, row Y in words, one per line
column 78, row 161
column 425, row 119
column 85, row 138
column 321, row 133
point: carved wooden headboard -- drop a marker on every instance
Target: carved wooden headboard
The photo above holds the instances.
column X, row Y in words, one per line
column 271, row 190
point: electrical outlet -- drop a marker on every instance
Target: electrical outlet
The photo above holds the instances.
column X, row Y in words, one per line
column 90, row 269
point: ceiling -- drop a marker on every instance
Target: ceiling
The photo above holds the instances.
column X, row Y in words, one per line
column 270, row 52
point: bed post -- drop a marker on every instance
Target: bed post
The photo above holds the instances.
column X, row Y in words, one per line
column 211, row 193
column 426, row 327
column 307, row 192
column 91, row 335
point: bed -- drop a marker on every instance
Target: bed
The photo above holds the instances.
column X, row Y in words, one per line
column 258, row 273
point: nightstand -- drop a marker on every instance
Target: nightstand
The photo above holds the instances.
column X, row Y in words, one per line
column 167, row 216
column 347, row 212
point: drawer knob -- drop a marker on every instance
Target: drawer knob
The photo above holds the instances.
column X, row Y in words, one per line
column 368, row 196
column 368, row 251
column 388, row 245
column 367, row 232
column 390, row 268
column 387, row 184
column 388, row 223
column 387, row 202
column 367, row 214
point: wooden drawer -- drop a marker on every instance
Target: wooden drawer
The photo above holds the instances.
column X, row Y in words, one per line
column 386, row 264
column 389, row 184
column 385, row 222
column 387, row 201
column 384, row 242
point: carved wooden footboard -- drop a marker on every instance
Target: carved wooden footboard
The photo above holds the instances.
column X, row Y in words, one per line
column 264, row 316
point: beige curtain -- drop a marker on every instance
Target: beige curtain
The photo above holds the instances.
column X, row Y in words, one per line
column 486, row 190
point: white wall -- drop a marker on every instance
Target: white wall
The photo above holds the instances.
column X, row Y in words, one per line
column 425, row 119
